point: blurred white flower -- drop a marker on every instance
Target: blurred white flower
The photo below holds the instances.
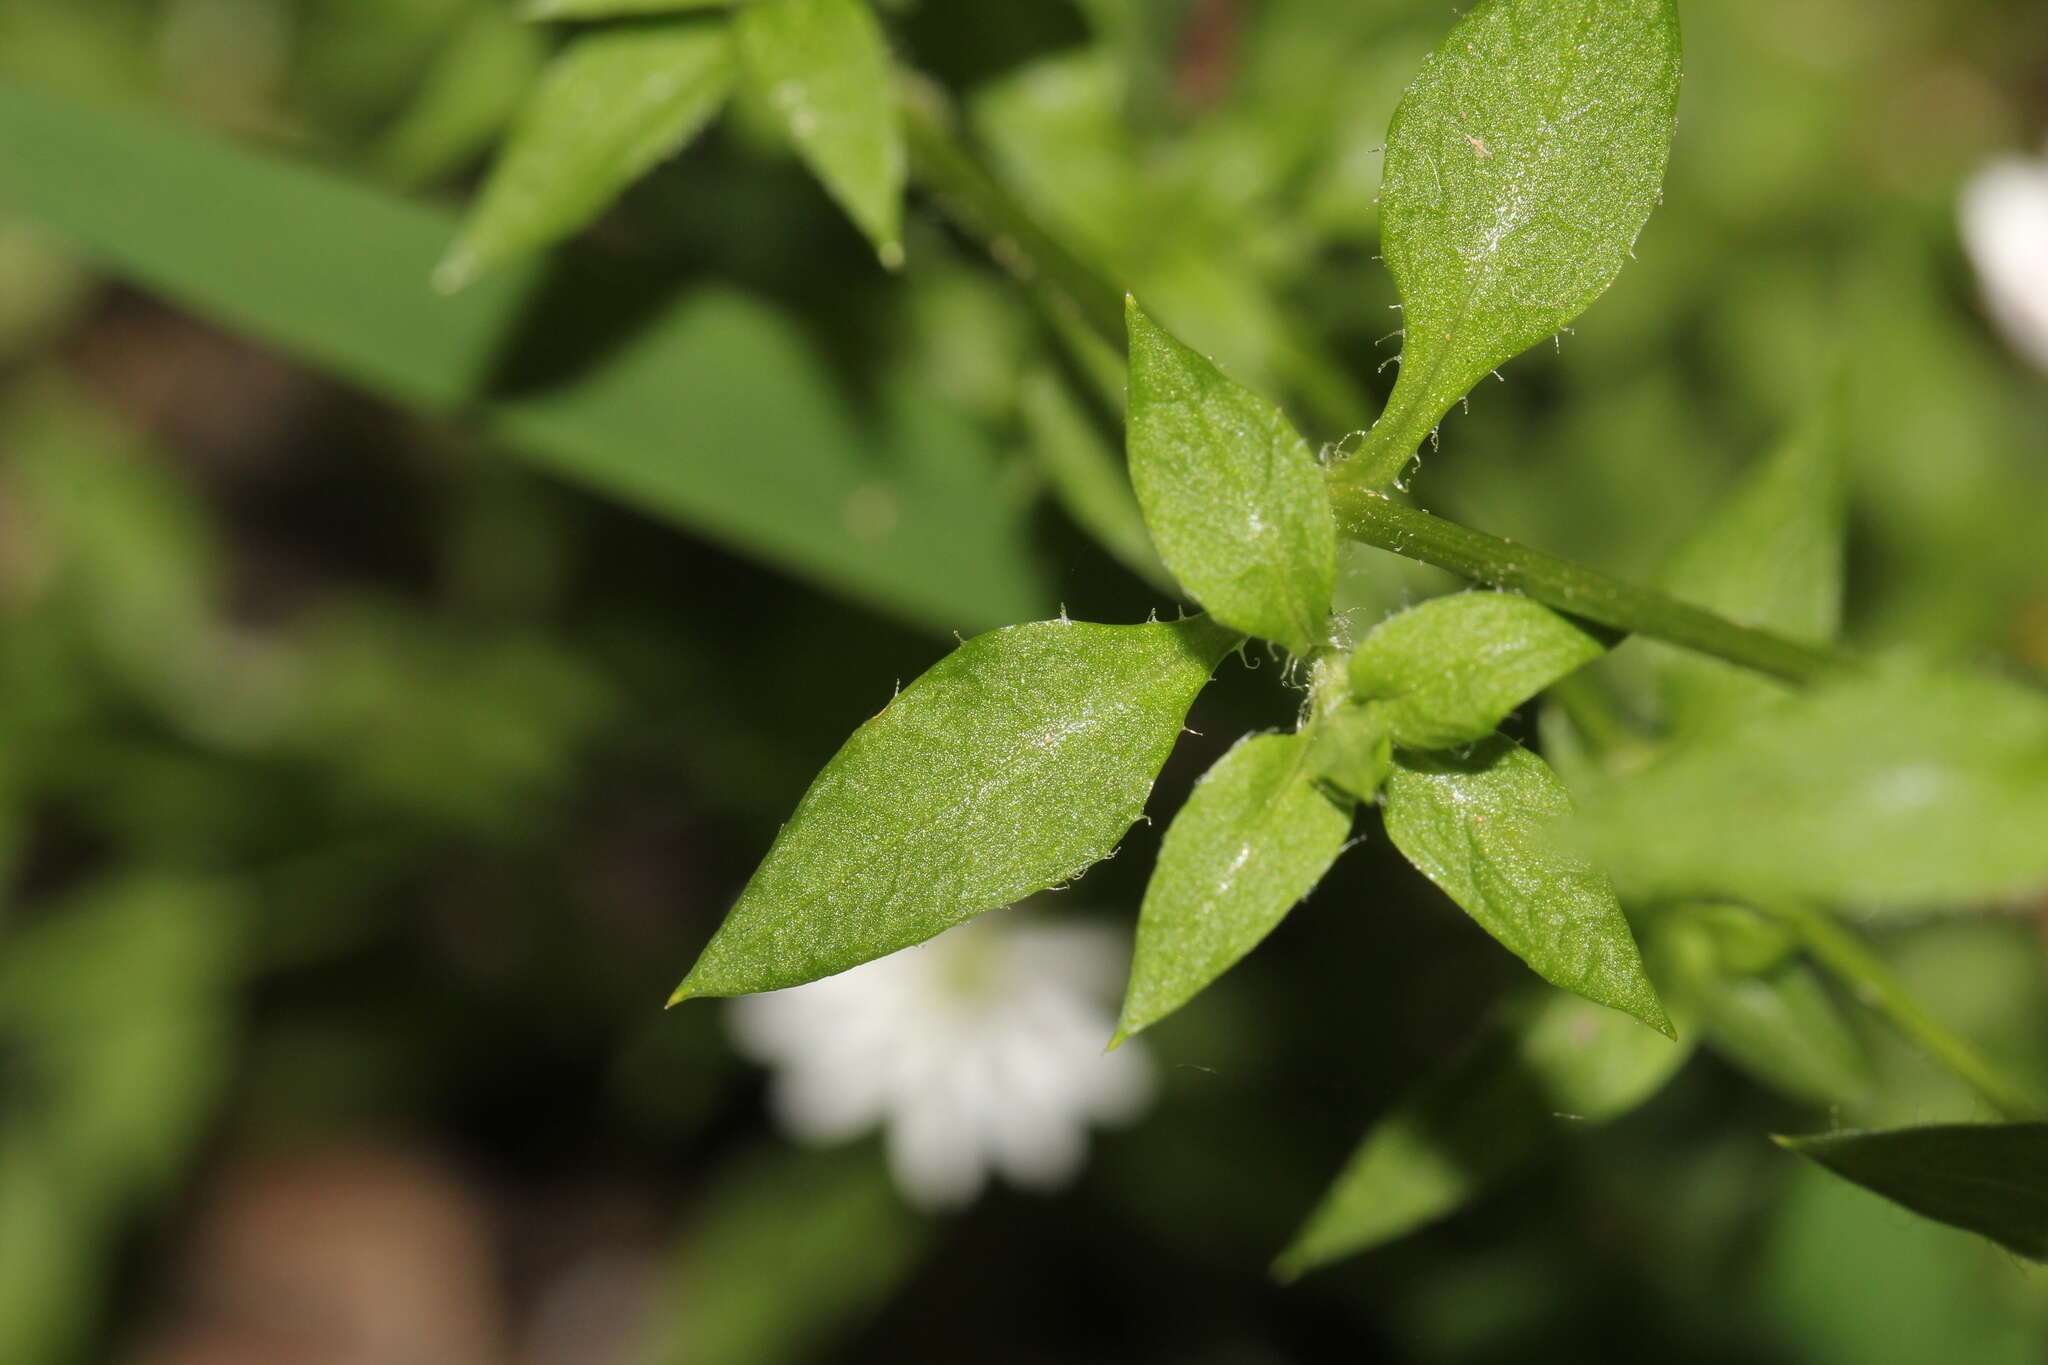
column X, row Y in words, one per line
column 979, row 1051
column 2004, row 212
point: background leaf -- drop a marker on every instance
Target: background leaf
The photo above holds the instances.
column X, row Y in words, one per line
column 1990, row 1179
column 1908, row 789
column 615, row 101
column 1770, row 556
column 1482, row 826
column 1520, row 166
column 609, row 9
column 1255, row 837
column 710, row 410
column 1232, row 494
column 824, row 67
column 1449, row 671
column 1547, row 1065
column 1012, row 765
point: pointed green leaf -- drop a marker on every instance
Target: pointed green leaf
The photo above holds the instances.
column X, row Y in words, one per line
column 824, row 67
column 1452, row 669
column 1549, row 1064
column 1520, row 166
column 614, row 103
column 1763, row 1008
column 1232, row 494
column 1986, row 1178
column 1010, row 766
column 465, row 100
column 614, row 9
column 1904, row 790
column 1771, row 556
column 1255, row 836
column 1481, row 826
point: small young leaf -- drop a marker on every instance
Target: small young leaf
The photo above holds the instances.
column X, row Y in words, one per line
column 1771, row 557
column 1520, row 166
column 1254, row 838
column 1452, row 669
column 1013, row 764
column 1986, row 1178
column 824, row 67
column 1232, row 494
column 1549, row 1064
column 616, row 101
column 1350, row 750
column 1906, row 789
column 1773, row 1018
column 1479, row 825
column 614, row 9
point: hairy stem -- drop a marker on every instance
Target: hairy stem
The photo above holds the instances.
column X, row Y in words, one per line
column 1377, row 520
column 1874, row 983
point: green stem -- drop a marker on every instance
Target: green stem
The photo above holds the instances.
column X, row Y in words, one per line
column 1874, row 983
column 1377, row 520
column 986, row 208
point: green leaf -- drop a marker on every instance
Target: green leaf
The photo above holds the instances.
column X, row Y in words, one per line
column 824, row 67
column 1481, row 826
column 1771, row 556
column 1012, row 765
column 1763, row 1007
column 614, row 9
column 1449, row 671
column 1550, row 1064
column 1990, row 1179
column 1350, row 749
column 1232, row 494
column 465, row 100
column 1907, row 789
column 615, row 102
column 710, row 410
column 1255, row 836
column 1520, row 166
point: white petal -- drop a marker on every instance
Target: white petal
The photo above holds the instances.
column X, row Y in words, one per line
column 819, row 1104
column 2004, row 211
column 934, row 1151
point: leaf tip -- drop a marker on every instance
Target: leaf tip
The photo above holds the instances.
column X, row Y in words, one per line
column 686, row 991
column 890, row 252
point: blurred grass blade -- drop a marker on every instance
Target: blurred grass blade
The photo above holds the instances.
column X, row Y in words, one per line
column 705, row 408
column 1549, row 1064
column 824, row 67
column 1255, row 837
column 793, row 1248
column 1986, row 1178
column 1232, row 494
column 1520, row 167
column 1481, row 825
column 615, row 102
column 1449, row 671
column 1087, row 476
column 1012, row 765
column 614, row 9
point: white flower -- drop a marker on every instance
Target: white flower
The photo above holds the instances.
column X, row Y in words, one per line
column 2004, row 213
column 980, row 1050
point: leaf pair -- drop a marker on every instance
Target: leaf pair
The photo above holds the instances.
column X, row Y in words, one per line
column 621, row 98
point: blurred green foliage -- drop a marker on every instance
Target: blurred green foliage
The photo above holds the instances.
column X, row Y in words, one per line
column 356, row 774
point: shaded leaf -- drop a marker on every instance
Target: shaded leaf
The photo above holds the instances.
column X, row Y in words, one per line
column 1481, row 826
column 1010, row 766
column 1449, row 671
column 1087, row 476
column 1520, row 166
column 615, row 102
column 466, row 99
column 1990, row 1179
column 1255, row 836
column 710, row 411
column 824, row 68
column 1901, row 790
column 1232, row 494
column 1771, row 556
column 1350, row 749
column 1549, row 1064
